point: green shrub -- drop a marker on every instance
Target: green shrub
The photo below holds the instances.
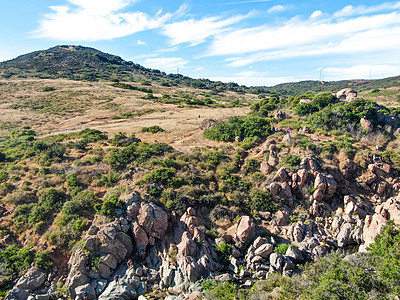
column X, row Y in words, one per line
column 281, row 248
column 52, row 199
column 291, row 162
column 219, row 290
column 109, row 206
column 163, row 176
column 251, row 165
column 153, row 129
column 262, row 201
column 224, row 252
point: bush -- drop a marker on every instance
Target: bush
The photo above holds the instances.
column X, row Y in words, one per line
column 52, row 199
column 224, row 252
column 219, row 290
column 153, row 129
column 262, row 201
column 109, row 206
column 244, row 127
column 281, row 248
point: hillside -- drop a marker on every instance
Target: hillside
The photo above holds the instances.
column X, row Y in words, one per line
column 84, row 63
column 192, row 192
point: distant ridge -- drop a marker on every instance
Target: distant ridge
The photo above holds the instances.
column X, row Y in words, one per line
column 85, row 63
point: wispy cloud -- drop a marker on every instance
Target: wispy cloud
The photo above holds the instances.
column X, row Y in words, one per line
column 91, row 20
column 364, row 71
column 276, row 9
column 361, row 10
column 245, row 2
column 165, row 64
column 197, row 31
column 310, row 37
column 253, row 78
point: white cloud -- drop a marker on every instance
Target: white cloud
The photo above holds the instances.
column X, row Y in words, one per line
column 276, row 9
column 364, row 71
column 359, row 10
column 90, row 20
column 252, row 78
column 197, row 31
column 316, row 14
column 245, row 2
column 141, row 43
column 165, row 64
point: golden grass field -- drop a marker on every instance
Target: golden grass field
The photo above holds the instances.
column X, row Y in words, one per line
column 76, row 105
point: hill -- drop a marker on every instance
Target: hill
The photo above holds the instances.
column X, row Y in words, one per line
column 84, row 63
column 178, row 189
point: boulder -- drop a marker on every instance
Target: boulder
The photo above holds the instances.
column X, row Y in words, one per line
column 153, row 219
column 276, row 261
column 32, row 280
column 244, row 231
column 88, row 288
column 264, row 250
column 294, row 254
column 17, row 294
column 274, row 188
column 347, row 94
column 366, row 124
column 281, row 175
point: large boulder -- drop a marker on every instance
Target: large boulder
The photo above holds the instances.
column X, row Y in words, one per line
column 32, row 280
column 153, row 219
column 244, row 231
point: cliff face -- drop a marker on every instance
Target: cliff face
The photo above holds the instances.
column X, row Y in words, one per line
column 148, row 249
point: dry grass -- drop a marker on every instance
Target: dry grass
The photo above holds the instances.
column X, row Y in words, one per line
column 75, row 105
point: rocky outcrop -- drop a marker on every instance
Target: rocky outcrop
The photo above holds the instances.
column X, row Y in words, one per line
column 347, row 94
column 33, row 279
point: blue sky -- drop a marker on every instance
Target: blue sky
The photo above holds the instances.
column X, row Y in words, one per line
column 251, row 42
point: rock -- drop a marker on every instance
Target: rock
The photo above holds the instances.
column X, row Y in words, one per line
column 273, row 161
column 347, row 94
column 132, row 198
column 305, row 101
column 264, row 250
column 320, row 251
column 281, row 217
column 32, row 280
column 101, row 285
column 344, row 236
column 372, row 227
column 224, row 277
column 366, row 124
column 278, row 114
column 295, row 254
column 140, row 237
column 276, row 261
column 93, row 230
column 110, row 261
column 274, row 188
column 244, row 231
column 118, row 291
column 104, row 270
column 288, row 264
column 302, row 176
column 194, row 296
column 88, row 288
column 17, row 294
column 281, row 175
column 153, row 219
column 265, row 168
column 43, row 297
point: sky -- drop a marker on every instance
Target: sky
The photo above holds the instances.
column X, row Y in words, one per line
column 250, row 42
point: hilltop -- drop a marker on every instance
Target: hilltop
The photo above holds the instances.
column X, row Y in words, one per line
column 84, row 63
